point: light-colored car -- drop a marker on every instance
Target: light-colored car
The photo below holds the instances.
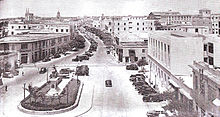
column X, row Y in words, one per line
column 8, row 75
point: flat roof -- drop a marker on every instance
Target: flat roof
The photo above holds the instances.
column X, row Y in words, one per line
column 134, row 44
column 174, row 34
column 30, row 37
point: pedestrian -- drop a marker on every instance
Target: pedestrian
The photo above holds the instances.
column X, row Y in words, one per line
column 6, row 88
column 22, row 73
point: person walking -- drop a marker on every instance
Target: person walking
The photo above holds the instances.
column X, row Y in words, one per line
column 22, row 73
column 6, row 88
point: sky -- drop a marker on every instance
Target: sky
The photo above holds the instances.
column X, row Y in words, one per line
column 49, row 8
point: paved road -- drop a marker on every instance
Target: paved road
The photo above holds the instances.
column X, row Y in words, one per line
column 121, row 100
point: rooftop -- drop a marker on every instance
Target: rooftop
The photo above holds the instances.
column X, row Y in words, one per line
column 178, row 34
column 211, row 73
column 30, row 37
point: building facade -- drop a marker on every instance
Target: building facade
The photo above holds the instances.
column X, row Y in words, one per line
column 206, row 90
column 211, row 50
column 34, row 47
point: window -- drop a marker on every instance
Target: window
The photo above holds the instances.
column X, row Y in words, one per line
column 109, row 23
column 143, row 50
column 196, row 30
column 205, row 47
column 137, row 23
column 61, row 30
column 124, row 23
column 24, row 26
column 124, row 28
column 143, row 23
column 12, row 33
column 210, row 47
column 12, row 27
column 130, row 22
column 24, row 46
column 137, row 28
column 210, row 60
column 67, row 30
column 130, row 27
column 142, row 28
column 56, row 30
column 118, row 23
column 118, row 29
column 19, row 27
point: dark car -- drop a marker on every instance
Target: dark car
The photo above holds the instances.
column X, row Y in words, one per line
column 108, row 83
column 132, row 67
column 57, row 55
column 82, row 70
column 152, row 98
column 81, row 58
column 43, row 70
column 64, row 72
column 88, row 54
column 46, row 59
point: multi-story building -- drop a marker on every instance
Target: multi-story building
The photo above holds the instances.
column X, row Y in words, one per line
column 132, row 48
column 202, row 30
column 206, row 90
column 212, row 50
column 203, row 19
column 169, row 54
column 34, row 47
column 215, row 19
column 170, row 17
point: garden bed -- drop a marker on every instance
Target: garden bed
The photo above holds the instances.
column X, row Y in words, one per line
column 40, row 102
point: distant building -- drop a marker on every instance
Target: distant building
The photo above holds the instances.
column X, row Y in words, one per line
column 132, row 48
column 206, row 90
column 29, row 16
column 34, row 47
column 215, row 19
column 202, row 30
column 58, row 15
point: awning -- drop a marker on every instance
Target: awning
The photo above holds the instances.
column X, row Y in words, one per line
column 174, row 83
column 182, row 91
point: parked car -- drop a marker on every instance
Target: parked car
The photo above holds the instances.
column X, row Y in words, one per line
column 82, row 70
column 8, row 75
column 152, row 98
column 43, row 70
column 64, row 72
column 57, row 55
column 75, row 49
column 46, row 59
column 81, row 58
column 88, row 54
column 132, row 67
column 108, row 83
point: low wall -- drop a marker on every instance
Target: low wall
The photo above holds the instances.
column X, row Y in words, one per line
column 54, row 111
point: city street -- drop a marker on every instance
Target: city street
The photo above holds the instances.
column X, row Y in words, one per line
column 120, row 100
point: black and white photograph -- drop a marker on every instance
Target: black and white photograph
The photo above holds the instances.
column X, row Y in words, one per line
column 109, row 58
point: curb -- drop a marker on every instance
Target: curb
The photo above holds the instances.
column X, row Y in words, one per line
column 22, row 109
column 89, row 107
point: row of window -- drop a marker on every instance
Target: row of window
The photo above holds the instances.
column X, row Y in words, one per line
column 43, row 44
column 62, row 30
column 180, row 17
column 160, row 50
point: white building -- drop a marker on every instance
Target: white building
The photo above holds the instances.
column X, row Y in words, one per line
column 132, row 48
column 212, row 50
column 169, row 55
column 215, row 19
